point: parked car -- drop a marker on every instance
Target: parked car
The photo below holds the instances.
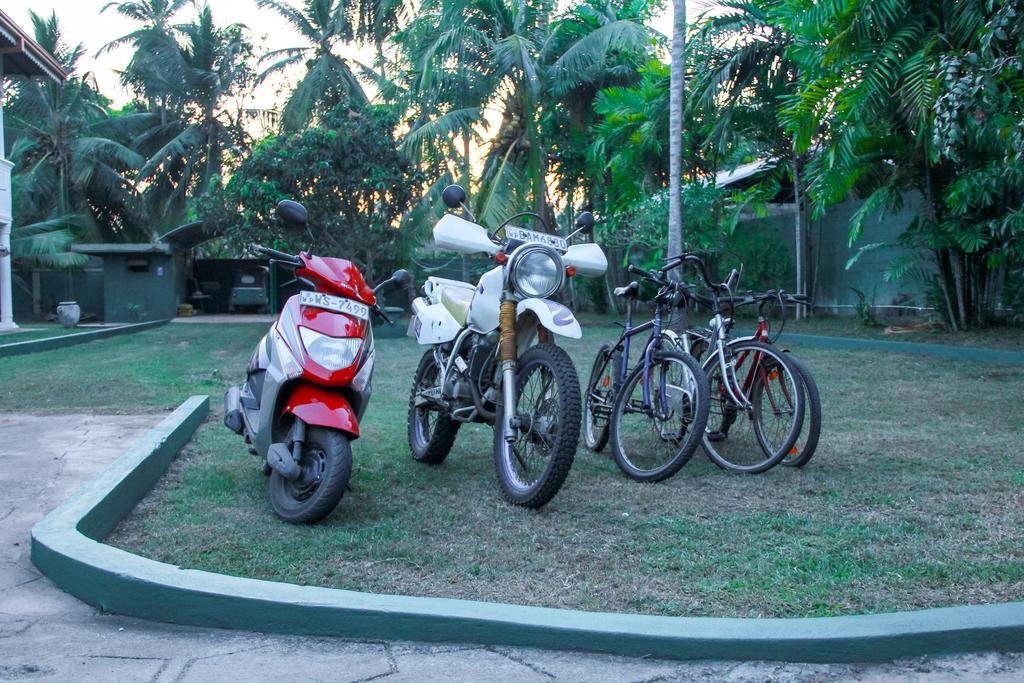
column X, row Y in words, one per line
column 251, row 289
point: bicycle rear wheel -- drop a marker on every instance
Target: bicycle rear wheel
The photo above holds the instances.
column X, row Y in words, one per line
column 597, row 406
column 807, row 442
column 755, row 437
column 652, row 440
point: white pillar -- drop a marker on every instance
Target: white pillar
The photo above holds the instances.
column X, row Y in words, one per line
column 6, row 297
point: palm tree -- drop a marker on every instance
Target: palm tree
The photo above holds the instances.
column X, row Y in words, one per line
column 627, row 151
column 156, row 72
column 329, row 79
column 746, row 73
column 515, row 58
column 71, row 158
column 598, row 46
column 186, row 148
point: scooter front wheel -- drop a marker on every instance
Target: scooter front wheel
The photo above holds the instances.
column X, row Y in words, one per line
column 326, row 466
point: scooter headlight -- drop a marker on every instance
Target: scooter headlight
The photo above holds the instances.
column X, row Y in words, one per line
column 536, row 271
column 333, row 353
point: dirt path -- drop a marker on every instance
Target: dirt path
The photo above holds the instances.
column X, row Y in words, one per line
column 48, row 635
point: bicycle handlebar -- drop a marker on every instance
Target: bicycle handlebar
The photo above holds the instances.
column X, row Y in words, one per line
column 278, row 255
column 703, row 269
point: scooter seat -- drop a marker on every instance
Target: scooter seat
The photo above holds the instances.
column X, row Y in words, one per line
column 457, row 300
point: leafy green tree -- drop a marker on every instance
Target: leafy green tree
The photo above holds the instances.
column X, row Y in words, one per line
column 630, row 138
column 586, row 72
column 746, row 72
column 186, row 78
column 350, row 176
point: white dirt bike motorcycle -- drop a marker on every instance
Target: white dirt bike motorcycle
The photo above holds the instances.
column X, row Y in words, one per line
column 493, row 357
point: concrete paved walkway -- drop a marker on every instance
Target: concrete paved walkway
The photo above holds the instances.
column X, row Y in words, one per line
column 48, row 635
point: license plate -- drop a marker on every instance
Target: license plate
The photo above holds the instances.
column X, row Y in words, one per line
column 532, row 237
column 336, row 304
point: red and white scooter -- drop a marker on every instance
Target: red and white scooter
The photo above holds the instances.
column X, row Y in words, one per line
column 309, row 382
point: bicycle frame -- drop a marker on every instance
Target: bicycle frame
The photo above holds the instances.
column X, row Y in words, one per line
column 653, row 343
column 761, row 334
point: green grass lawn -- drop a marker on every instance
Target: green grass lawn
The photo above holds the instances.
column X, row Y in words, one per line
column 150, row 370
column 915, row 498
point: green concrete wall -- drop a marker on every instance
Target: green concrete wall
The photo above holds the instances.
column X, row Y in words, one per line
column 86, row 287
column 139, row 296
column 828, row 249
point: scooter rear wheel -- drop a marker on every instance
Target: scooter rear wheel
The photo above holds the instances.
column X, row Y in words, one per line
column 326, row 467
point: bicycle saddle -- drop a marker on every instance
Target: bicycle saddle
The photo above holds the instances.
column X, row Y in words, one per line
column 630, row 290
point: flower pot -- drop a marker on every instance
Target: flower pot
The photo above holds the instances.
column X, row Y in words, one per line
column 68, row 312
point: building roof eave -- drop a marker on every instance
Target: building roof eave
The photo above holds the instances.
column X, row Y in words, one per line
column 23, row 56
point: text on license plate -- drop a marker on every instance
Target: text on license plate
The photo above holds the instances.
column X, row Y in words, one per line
column 336, row 304
column 532, row 237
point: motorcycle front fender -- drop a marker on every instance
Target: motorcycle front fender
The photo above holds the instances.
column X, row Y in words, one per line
column 321, row 407
column 552, row 316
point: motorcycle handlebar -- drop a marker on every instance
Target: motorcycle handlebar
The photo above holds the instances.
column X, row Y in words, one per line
column 278, row 255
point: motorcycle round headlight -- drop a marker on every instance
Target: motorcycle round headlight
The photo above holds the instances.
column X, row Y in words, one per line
column 537, row 272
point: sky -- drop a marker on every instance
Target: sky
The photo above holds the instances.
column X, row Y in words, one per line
column 84, row 22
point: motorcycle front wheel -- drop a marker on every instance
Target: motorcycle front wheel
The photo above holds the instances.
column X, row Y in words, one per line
column 326, row 466
column 532, row 468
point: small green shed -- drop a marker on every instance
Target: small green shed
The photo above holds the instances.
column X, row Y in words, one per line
column 141, row 282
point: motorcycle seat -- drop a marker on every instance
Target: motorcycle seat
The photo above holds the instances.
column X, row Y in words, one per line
column 629, row 291
column 457, row 300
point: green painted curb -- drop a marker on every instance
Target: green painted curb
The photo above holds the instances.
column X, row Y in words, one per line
column 970, row 353
column 66, row 548
column 64, row 341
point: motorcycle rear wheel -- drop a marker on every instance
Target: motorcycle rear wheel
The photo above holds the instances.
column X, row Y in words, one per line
column 533, row 468
column 326, row 467
column 431, row 432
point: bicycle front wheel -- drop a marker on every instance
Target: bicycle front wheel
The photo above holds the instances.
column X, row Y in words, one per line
column 659, row 417
column 753, row 434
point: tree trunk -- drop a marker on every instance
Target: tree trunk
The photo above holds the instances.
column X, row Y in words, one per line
column 958, row 280
column 944, row 278
column 677, row 88
column 798, row 233
column 466, row 180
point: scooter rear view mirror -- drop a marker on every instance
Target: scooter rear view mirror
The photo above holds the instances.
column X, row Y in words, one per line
column 402, row 278
column 292, row 212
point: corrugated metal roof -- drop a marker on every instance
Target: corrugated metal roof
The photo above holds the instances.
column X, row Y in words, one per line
column 190, row 235
column 117, row 248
